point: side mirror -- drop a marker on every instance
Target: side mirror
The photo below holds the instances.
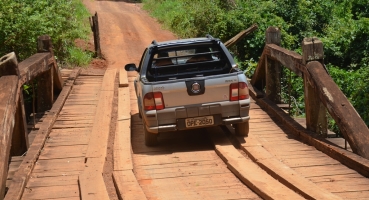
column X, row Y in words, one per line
column 130, row 67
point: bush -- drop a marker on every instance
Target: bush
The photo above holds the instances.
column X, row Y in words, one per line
column 22, row 21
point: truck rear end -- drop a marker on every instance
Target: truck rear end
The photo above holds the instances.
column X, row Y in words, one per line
column 191, row 84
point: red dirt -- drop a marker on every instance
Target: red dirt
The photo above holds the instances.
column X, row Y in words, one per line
column 125, row 31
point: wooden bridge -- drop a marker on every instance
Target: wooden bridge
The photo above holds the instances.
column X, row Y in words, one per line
column 85, row 139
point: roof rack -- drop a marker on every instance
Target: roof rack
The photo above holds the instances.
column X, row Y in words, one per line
column 154, row 42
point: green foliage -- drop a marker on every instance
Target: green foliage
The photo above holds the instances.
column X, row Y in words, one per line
column 78, row 57
column 22, row 21
column 342, row 25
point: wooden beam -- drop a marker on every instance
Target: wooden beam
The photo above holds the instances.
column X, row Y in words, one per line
column 21, row 177
column 45, row 91
column 9, row 93
column 33, row 67
column 233, row 41
column 348, row 120
column 273, row 68
column 289, row 59
column 44, row 44
column 316, row 114
column 9, row 65
column 258, row 79
column 20, row 141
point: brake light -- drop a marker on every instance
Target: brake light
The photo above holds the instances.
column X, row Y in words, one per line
column 153, row 101
column 238, row 91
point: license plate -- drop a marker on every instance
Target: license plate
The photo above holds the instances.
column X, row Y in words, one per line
column 199, row 121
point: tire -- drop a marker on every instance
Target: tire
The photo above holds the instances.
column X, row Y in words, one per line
column 242, row 129
column 151, row 139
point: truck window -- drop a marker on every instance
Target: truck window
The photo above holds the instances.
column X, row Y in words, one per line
column 187, row 62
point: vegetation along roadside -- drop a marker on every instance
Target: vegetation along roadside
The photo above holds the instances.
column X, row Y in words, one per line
column 22, row 21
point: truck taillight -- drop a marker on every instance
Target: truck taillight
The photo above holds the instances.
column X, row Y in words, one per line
column 154, row 101
column 238, row 91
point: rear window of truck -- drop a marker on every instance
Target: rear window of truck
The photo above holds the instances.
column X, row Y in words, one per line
column 187, row 62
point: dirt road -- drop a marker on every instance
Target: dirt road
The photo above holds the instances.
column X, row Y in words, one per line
column 125, row 30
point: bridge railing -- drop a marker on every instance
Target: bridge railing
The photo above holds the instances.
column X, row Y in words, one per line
column 13, row 125
column 321, row 94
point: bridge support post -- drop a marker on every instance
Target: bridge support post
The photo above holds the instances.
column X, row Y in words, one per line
column 316, row 114
column 45, row 85
column 273, row 68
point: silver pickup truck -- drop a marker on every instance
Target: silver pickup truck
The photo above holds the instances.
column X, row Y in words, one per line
column 190, row 83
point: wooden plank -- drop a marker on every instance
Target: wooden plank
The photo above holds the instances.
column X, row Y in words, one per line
column 9, row 93
column 284, row 173
column 97, row 147
column 123, row 81
column 91, row 182
column 54, row 152
column 122, row 146
column 65, row 191
column 255, row 178
column 124, row 105
column 52, row 181
column 127, row 186
column 21, row 177
column 62, row 164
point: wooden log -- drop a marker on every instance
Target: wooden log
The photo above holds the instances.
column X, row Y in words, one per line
column 44, row 44
column 316, row 114
column 348, row 120
column 94, row 22
column 233, row 41
column 8, row 96
column 273, row 68
column 9, row 65
column 22, row 175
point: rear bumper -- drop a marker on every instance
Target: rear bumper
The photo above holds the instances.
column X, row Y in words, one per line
column 179, row 126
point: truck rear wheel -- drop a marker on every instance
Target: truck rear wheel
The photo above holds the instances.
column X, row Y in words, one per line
column 242, row 129
column 151, row 139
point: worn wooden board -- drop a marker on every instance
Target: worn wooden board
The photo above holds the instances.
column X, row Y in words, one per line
column 64, row 191
column 122, row 146
column 97, row 147
column 123, row 82
column 127, row 185
column 255, row 178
